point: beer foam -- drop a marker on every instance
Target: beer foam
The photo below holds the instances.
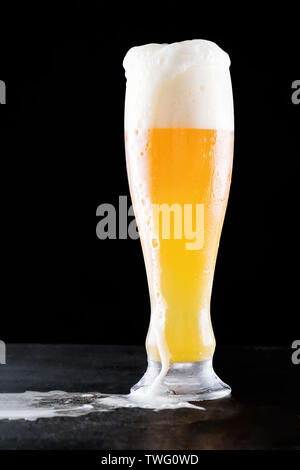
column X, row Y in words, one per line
column 184, row 84
column 31, row 406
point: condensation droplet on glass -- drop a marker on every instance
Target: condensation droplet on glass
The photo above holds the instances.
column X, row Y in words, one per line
column 154, row 243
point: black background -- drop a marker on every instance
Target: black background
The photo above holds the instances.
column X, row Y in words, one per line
column 63, row 155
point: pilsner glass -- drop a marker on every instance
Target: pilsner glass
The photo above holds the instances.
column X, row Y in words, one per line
column 179, row 150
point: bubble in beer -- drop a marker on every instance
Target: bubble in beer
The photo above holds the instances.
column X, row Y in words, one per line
column 160, row 315
column 154, row 242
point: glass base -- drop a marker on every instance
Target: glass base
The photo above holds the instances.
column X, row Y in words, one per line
column 191, row 381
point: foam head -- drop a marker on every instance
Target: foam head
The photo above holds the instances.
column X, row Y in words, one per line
column 185, row 84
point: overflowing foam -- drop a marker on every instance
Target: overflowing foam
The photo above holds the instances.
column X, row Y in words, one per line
column 31, row 406
column 185, row 84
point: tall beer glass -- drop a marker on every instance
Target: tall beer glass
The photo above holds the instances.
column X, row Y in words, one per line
column 179, row 150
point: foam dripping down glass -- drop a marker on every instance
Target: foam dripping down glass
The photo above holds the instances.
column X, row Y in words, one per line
column 179, row 149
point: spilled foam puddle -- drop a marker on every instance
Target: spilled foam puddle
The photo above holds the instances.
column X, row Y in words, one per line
column 34, row 405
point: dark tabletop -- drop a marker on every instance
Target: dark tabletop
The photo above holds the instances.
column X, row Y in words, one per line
column 263, row 412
